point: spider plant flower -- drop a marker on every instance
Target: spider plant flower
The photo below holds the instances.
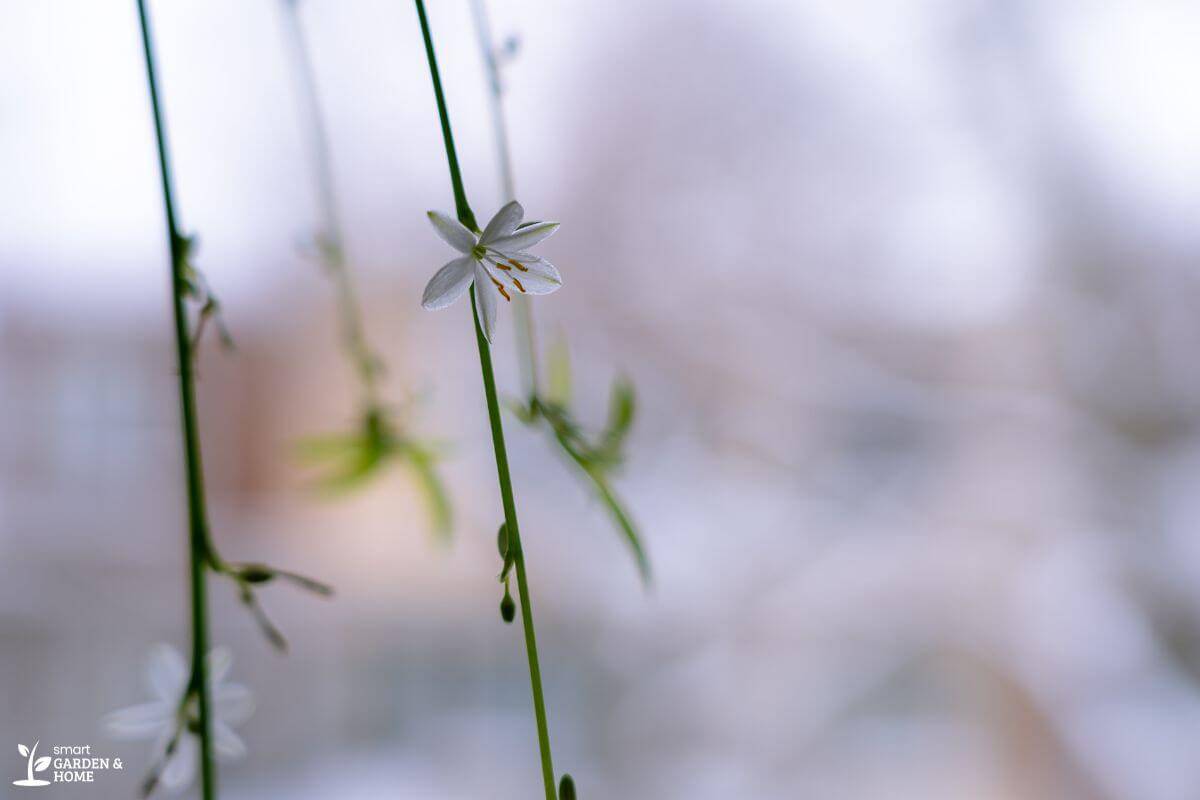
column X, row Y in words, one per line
column 172, row 721
column 497, row 258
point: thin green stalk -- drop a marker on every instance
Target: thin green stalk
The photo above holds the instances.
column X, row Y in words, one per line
column 522, row 306
column 466, row 217
column 513, row 535
column 197, row 515
column 331, row 241
column 461, row 207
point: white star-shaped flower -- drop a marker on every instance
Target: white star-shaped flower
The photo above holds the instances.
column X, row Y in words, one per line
column 498, row 257
column 167, row 676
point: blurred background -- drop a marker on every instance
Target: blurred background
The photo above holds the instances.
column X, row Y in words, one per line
column 908, row 291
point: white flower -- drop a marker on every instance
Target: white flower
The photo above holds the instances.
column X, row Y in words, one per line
column 167, row 676
column 497, row 256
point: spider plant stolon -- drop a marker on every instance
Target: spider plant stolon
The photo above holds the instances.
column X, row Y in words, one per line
column 379, row 439
column 189, row 286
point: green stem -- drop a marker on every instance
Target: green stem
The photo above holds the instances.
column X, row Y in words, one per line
column 197, row 516
column 332, row 254
column 522, row 306
column 461, row 207
column 513, row 535
column 466, row 217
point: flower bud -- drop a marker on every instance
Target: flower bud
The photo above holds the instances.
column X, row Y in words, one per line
column 256, row 573
column 566, row 788
column 508, row 609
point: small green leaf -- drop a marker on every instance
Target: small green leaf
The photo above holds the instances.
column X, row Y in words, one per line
column 315, row 449
column 305, row 582
column 437, row 501
column 558, row 373
column 273, row 634
column 621, row 409
column 623, row 521
column 525, row 413
column 509, row 554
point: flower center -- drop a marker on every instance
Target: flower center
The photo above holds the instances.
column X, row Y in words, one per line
column 478, row 252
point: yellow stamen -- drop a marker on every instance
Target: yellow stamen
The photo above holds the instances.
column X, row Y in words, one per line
column 519, row 265
column 501, row 288
column 518, row 284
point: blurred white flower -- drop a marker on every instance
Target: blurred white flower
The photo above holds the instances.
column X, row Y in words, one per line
column 167, row 677
column 498, row 255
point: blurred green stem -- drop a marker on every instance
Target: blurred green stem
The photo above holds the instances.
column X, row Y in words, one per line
column 331, row 240
column 197, row 515
column 522, row 306
column 466, row 217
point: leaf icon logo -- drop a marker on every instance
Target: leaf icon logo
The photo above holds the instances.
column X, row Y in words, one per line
column 32, row 765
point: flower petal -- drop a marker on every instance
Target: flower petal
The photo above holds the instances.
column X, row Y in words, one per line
column 227, row 743
column 448, row 283
column 181, row 766
column 233, row 703
column 220, row 661
column 524, row 238
column 504, row 223
column 452, row 232
column 485, row 302
column 139, row 722
column 539, row 275
column 166, row 672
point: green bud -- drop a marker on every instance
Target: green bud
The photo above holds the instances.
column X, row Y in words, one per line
column 256, row 573
column 508, row 609
column 566, row 788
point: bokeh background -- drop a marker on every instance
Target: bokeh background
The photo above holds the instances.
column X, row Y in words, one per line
column 909, row 294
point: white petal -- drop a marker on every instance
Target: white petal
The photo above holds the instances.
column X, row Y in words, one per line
column 524, row 238
column 166, row 672
column 448, row 283
column 227, row 743
column 181, row 766
column 504, row 223
column 452, row 232
column 219, row 662
column 485, row 302
column 140, row 722
column 539, row 275
column 233, row 704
